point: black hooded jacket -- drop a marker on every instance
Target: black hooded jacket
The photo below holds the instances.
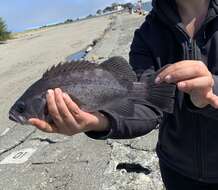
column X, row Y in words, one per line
column 188, row 138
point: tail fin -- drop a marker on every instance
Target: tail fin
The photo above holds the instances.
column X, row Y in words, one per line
column 161, row 95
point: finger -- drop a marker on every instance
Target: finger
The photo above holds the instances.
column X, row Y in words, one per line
column 195, row 84
column 52, row 108
column 43, row 126
column 182, row 74
column 63, row 109
column 213, row 100
column 72, row 106
column 168, row 70
column 166, row 74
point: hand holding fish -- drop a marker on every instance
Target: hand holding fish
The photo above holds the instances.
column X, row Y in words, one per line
column 194, row 78
column 68, row 118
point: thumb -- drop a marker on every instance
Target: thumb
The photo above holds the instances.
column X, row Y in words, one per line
column 213, row 100
column 43, row 126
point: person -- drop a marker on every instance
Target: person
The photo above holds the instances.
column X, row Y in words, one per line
column 184, row 34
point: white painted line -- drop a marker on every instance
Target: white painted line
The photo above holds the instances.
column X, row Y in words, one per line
column 18, row 157
column 5, row 132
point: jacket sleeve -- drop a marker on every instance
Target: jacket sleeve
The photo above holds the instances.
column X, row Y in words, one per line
column 145, row 116
column 207, row 111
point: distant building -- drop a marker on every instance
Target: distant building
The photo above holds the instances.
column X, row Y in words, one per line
column 119, row 8
column 99, row 12
column 142, row 7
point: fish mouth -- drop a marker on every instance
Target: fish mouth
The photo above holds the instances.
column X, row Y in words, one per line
column 18, row 119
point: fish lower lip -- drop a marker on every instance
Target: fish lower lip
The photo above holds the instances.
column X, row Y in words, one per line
column 13, row 118
column 16, row 119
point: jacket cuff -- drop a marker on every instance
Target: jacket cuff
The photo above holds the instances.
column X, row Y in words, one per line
column 105, row 134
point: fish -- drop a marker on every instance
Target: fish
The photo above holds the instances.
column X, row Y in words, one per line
column 93, row 87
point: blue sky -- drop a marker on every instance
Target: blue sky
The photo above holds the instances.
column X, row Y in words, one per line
column 24, row 14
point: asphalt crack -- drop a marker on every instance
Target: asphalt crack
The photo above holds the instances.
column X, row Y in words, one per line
column 49, row 141
column 53, row 162
column 128, row 146
column 18, row 143
column 42, row 163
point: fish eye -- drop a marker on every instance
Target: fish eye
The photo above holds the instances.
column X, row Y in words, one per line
column 21, row 107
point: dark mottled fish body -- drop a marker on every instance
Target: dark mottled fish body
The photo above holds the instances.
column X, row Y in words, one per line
column 93, row 87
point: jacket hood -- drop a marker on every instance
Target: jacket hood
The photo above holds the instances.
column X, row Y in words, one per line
column 167, row 11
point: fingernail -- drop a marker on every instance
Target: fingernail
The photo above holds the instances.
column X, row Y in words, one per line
column 157, row 80
column 31, row 122
column 182, row 85
column 168, row 78
column 49, row 92
column 58, row 90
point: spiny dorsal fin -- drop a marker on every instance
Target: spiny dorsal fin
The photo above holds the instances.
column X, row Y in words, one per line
column 120, row 68
column 68, row 67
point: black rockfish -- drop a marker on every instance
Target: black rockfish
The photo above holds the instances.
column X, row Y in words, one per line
column 93, row 87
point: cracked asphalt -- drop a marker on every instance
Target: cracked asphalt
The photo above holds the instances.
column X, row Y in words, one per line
column 33, row 160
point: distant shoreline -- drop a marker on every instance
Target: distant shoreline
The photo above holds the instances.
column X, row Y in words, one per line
column 62, row 23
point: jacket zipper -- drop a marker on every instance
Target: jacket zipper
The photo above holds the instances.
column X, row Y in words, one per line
column 190, row 49
column 199, row 159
